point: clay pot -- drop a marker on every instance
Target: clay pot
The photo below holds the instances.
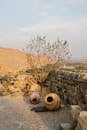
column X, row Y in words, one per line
column 34, row 98
column 52, row 101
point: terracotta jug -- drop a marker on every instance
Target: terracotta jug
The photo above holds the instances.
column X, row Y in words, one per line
column 34, row 98
column 52, row 101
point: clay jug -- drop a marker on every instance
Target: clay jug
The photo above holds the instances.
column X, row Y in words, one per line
column 52, row 101
column 34, row 98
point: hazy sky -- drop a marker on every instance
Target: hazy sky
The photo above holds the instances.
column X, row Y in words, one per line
column 20, row 20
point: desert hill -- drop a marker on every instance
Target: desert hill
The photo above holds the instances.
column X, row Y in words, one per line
column 13, row 60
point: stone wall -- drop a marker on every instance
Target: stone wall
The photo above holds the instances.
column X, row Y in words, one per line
column 70, row 86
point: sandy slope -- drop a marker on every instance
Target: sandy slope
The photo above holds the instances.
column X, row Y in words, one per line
column 13, row 60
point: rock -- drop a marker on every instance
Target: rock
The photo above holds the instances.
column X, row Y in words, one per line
column 19, row 84
column 83, row 76
column 35, row 88
column 82, row 121
column 17, row 94
column 12, row 89
column 21, row 77
column 75, row 111
column 65, row 126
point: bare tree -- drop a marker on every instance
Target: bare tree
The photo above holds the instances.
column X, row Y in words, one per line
column 58, row 50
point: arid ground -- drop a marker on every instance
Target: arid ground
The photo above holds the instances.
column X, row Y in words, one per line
column 15, row 107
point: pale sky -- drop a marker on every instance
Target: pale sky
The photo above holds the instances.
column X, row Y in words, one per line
column 20, row 20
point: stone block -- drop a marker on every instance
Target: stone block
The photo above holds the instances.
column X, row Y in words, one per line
column 82, row 121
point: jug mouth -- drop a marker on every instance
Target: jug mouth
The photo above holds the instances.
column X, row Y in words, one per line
column 34, row 100
column 49, row 99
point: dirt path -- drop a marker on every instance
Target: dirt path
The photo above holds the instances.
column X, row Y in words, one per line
column 15, row 114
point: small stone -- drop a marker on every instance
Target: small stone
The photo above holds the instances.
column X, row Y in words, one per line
column 75, row 111
column 65, row 126
column 84, row 76
column 21, row 77
column 62, row 105
column 35, row 88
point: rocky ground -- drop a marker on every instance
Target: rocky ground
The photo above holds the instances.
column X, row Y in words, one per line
column 69, row 82
column 15, row 114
